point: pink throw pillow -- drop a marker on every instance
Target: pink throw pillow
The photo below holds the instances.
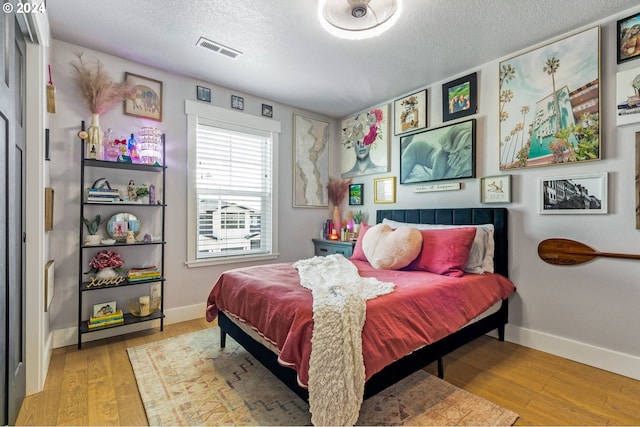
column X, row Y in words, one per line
column 444, row 251
column 358, row 252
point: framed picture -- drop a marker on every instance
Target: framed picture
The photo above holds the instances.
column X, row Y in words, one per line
column 48, row 208
column 203, row 93
column 410, row 113
column 237, row 102
column 267, row 110
column 539, row 91
column 627, row 100
column 355, row 194
column 147, row 101
column 104, row 309
column 447, row 152
column 365, row 143
column 49, row 282
column 310, row 162
column 629, row 38
column 460, row 97
column 574, row 194
column 384, row 190
column 638, row 180
column 495, row 189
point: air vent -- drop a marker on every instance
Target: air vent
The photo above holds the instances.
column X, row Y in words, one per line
column 218, row 48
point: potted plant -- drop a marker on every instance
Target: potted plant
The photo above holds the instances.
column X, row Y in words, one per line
column 357, row 220
column 93, row 238
column 106, row 264
column 142, row 194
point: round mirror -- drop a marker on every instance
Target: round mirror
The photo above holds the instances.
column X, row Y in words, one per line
column 119, row 224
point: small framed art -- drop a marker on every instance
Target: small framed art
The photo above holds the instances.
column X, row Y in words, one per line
column 574, row 194
column 384, row 190
column 147, row 101
column 460, row 97
column 104, row 309
column 355, row 194
column 495, row 189
column 237, row 102
column 203, row 93
column 410, row 113
column 267, row 110
column 629, row 38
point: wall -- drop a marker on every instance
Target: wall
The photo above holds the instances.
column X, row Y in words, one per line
column 589, row 312
column 186, row 288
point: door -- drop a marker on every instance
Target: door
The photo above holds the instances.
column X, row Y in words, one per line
column 12, row 208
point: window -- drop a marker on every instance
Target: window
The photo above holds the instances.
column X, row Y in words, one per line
column 232, row 195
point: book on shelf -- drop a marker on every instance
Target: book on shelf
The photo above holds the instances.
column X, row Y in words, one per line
column 143, row 273
column 104, row 324
column 113, row 316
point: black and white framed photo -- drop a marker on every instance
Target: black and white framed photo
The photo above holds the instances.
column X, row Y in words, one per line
column 460, row 97
column 574, row 194
column 237, row 102
column 443, row 153
column 267, row 110
column 203, row 93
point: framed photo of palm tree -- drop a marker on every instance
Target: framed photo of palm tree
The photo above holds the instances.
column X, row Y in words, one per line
column 549, row 103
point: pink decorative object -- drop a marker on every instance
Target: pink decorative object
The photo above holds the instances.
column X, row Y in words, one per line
column 106, row 259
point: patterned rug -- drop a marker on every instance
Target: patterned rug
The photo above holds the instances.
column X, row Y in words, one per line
column 190, row 380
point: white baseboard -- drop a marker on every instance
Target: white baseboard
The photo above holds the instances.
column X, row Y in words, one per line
column 598, row 357
column 602, row 358
column 68, row 336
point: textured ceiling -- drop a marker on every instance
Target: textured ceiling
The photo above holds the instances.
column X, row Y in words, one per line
column 288, row 58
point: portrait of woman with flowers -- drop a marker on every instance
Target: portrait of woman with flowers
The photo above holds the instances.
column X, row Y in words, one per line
column 365, row 142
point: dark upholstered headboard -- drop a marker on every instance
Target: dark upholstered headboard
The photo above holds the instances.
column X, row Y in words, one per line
column 461, row 216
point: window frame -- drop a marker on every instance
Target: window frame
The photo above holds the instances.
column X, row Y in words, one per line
column 234, row 121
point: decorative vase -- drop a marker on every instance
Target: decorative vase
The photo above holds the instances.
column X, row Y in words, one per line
column 356, row 229
column 337, row 221
column 92, row 239
column 94, row 142
column 106, row 273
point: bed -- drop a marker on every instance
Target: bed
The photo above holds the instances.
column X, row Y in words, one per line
column 265, row 349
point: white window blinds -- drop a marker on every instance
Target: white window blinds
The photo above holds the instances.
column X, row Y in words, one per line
column 233, row 193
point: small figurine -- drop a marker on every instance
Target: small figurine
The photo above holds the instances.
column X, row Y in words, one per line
column 131, row 191
column 130, row 237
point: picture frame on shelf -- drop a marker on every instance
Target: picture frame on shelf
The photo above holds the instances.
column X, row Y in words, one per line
column 237, row 102
column 384, row 190
column 574, row 194
column 310, row 162
column 147, row 101
column 438, row 154
column 356, row 194
column 460, row 97
column 267, row 111
column 535, row 93
column 410, row 113
column 628, row 38
column 203, row 93
column 104, row 308
column 495, row 189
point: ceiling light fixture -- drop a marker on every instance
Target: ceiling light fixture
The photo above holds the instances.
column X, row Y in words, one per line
column 358, row 19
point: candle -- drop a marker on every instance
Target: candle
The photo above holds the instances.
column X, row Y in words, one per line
column 144, row 305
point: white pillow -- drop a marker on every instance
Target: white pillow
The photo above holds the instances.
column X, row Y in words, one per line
column 482, row 249
column 391, row 249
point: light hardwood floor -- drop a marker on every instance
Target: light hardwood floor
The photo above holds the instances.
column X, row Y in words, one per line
column 96, row 386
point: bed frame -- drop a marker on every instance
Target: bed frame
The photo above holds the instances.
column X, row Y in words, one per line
column 430, row 353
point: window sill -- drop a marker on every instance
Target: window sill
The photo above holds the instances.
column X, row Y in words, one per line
column 229, row 260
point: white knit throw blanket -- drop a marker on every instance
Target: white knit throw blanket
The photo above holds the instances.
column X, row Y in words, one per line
column 336, row 366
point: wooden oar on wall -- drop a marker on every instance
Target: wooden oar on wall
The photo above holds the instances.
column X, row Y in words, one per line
column 570, row 252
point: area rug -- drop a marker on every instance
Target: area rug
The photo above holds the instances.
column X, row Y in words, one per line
column 190, row 380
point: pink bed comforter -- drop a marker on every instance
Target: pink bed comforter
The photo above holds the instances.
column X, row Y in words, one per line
column 424, row 308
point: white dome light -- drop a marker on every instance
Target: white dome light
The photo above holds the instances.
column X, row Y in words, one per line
column 358, row 19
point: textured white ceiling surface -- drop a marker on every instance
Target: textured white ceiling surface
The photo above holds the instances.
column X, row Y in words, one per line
column 287, row 57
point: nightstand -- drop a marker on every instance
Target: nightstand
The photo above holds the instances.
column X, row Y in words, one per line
column 328, row 247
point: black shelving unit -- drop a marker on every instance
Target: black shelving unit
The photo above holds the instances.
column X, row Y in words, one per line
column 83, row 283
